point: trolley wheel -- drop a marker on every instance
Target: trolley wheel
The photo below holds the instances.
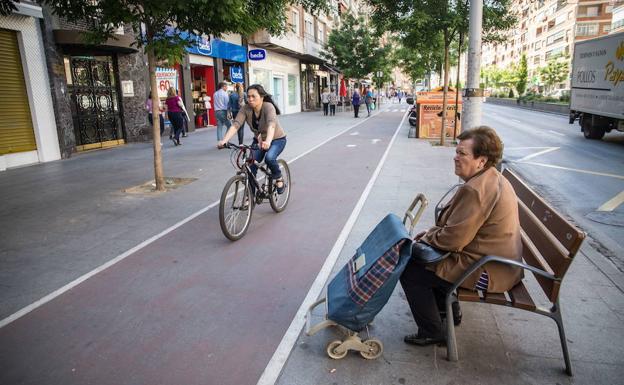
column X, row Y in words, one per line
column 375, row 348
column 235, row 208
column 331, row 350
column 279, row 201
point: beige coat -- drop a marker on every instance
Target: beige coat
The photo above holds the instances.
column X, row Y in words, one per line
column 465, row 228
column 268, row 115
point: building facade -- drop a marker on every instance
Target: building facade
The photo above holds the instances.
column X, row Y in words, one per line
column 547, row 30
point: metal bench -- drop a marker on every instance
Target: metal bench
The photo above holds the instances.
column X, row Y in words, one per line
column 550, row 243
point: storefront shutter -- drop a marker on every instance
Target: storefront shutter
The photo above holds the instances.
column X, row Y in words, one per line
column 16, row 128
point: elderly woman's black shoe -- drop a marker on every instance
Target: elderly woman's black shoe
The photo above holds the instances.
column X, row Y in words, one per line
column 424, row 340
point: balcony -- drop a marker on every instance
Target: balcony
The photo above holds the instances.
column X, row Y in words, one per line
column 311, row 47
column 287, row 44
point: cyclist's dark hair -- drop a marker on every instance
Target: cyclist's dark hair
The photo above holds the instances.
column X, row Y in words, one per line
column 264, row 95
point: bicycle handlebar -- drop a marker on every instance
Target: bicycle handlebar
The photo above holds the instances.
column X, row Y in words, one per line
column 240, row 146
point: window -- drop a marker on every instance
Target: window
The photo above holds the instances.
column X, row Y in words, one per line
column 586, row 29
column 555, row 37
column 292, row 90
column 295, row 22
column 560, row 19
column 538, row 44
column 606, row 28
column 609, row 9
column 262, row 77
column 320, row 33
column 552, row 53
column 536, row 60
column 309, row 27
column 592, row 11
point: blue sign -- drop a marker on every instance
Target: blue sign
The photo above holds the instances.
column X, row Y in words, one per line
column 257, row 54
column 236, row 75
column 213, row 47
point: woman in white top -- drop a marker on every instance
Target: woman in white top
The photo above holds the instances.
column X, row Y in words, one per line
column 325, row 101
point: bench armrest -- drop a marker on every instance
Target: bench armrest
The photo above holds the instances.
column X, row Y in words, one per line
column 494, row 258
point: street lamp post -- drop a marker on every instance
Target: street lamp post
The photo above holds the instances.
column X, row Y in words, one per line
column 473, row 93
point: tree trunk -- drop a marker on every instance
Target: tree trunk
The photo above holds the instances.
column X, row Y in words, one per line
column 445, row 92
column 158, row 169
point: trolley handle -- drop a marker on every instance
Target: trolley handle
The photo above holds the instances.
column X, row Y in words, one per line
column 414, row 217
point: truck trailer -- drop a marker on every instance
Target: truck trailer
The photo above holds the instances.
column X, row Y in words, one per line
column 597, row 94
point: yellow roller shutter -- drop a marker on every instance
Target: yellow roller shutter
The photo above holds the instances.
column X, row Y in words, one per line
column 16, row 128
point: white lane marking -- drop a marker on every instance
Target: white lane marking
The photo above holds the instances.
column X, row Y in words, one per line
column 354, row 133
column 275, row 365
column 556, row 133
column 550, row 149
column 351, row 145
column 515, row 120
column 374, row 141
column 576, row 170
column 612, row 203
column 27, row 309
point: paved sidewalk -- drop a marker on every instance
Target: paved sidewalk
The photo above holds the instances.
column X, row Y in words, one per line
column 497, row 345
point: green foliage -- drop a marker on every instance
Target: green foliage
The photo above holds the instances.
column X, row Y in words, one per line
column 522, row 75
column 555, row 71
column 355, row 48
column 164, row 21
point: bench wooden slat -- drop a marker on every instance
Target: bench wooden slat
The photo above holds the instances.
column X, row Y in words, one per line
column 496, row 298
column 532, row 257
column 566, row 233
column 549, row 248
column 468, row 295
column 521, row 298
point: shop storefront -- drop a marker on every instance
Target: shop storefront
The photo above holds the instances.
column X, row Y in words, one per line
column 279, row 75
column 27, row 124
column 209, row 62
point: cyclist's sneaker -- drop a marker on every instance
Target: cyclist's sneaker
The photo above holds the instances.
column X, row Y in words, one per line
column 280, row 190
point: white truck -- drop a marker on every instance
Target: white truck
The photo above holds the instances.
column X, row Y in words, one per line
column 597, row 97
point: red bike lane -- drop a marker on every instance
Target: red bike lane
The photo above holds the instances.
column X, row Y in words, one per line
column 193, row 307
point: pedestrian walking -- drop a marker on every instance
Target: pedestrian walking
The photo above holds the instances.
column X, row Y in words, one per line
column 355, row 100
column 177, row 114
column 235, row 103
column 161, row 115
column 368, row 99
column 400, row 96
column 220, row 101
column 333, row 101
column 325, row 101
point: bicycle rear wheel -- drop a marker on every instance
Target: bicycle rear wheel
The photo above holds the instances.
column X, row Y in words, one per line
column 279, row 201
column 235, row 208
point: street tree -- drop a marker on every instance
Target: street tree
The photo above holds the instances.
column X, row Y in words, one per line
column 555, row 71
column 522, row 75
column 164, row 29
column 424, row 23
column 356, row 49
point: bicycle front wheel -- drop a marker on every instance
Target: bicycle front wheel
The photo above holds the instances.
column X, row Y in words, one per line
column 279, row 201
column 235, row 208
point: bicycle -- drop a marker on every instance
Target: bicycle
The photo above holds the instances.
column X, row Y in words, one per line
column 244, row 190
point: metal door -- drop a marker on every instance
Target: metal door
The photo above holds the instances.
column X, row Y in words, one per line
column 94, row 99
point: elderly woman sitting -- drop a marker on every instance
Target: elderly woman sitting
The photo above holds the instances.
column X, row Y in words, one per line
column 480, row 219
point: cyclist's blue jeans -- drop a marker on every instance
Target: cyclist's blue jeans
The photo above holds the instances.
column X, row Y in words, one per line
column 270, row 156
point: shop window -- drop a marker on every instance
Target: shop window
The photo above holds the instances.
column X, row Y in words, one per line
column 292, row 90
column 262, row 77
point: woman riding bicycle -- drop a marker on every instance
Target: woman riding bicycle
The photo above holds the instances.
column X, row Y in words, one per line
column 260, row 113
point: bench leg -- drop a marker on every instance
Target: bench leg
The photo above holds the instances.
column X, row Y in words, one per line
column 556, row 316
column 451, row 343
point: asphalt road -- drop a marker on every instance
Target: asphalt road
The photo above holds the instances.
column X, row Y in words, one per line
column 583, row 179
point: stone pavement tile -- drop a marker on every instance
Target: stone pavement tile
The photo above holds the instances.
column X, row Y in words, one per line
column 614, row 299
column 547, row 371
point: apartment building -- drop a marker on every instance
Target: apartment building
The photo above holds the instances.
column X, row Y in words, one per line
column 548, row 29
column 617, row 19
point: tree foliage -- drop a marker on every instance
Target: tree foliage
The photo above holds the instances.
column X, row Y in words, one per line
column 522, row 75
column 356, row 49
column 555, row 71
column 432, row 25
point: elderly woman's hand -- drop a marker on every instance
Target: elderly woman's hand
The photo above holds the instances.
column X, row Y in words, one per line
column 420, row 235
